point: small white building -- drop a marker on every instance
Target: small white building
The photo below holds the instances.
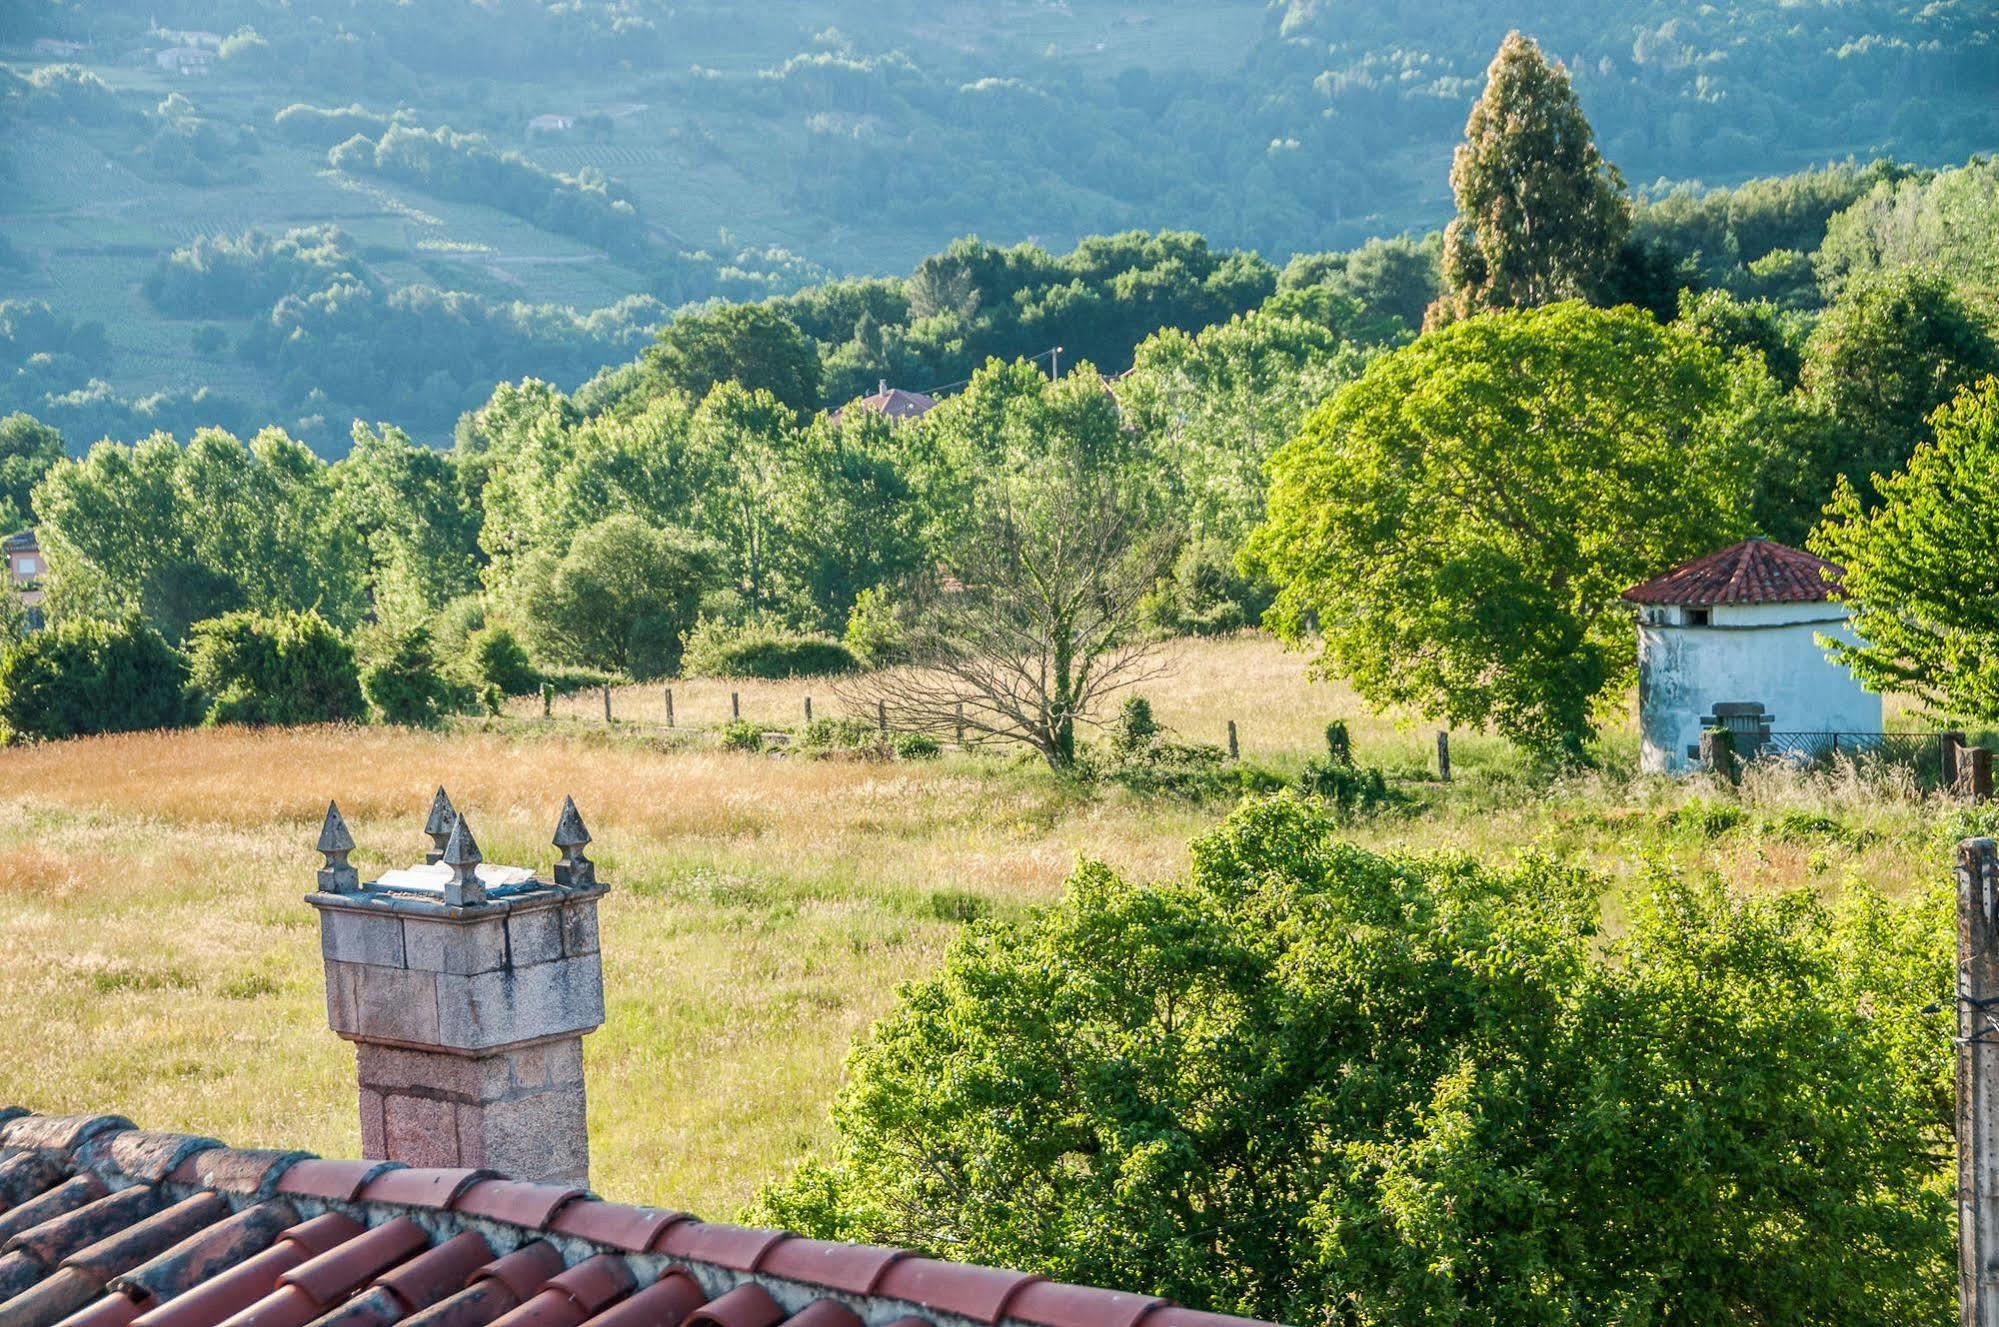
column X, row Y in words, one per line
column 1732, row 640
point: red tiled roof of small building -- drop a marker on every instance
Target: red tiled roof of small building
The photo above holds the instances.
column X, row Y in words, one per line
column 1755, row 571
column 896, row 404
column 105, row 1225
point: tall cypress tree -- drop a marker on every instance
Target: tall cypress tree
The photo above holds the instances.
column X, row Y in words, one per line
column 1541, row 215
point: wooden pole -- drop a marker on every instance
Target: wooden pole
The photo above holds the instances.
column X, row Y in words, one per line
column 547, row 699
column 1977, row 1085
column 808, row 709
column 669, row 707
column 961, row 723
column 1443, row 756
column 607, row 702
column 1235, row 750
column 881, row 716
column 735, row 705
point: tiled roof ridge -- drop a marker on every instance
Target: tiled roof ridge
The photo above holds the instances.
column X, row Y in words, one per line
column 298, row 1237
column 1754, row 571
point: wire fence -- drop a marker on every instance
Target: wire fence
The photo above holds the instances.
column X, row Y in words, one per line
column 1923, row 752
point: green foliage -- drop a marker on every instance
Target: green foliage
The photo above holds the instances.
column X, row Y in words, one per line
column 620, row 600
column 752, row 345
column 80, row 678
column 405, row 503
column 1335, row 780
column 1459, row 522
column 1920, row 566
column 180, row 534
column 1946, row 223
column 762, row 648
column 1541, row 215
column 282, row 669
column 875, row 633
column 1136, row 732
column 1207, row 593
column 29, row 449
column 741, row 735
column 1310, row 1084
column 916, row 746
column 496, row 658
column 404, row 681
column 1881, row 360
column 840, row 736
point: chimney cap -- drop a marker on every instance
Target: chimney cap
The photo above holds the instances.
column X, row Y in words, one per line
column 460, row 848
column 333, row 835
column 569, row 829
column 442, row 814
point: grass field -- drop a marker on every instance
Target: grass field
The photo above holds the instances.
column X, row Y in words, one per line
column 159, row 961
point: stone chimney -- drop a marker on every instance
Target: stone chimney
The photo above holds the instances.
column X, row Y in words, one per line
column 466, row 989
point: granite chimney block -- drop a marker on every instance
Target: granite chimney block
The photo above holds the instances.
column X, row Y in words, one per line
column 467, row 989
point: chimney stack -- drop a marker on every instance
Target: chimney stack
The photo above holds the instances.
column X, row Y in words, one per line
column 467, row 990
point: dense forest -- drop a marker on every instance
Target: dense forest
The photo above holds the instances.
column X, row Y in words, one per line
column 667, row 155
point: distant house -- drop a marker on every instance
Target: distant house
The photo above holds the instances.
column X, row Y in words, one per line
column 25, row 569
column 551, row 124
column 898, row 405
column 1731, row 640
column 56, row 46
column 185, row 37
column 185, row 60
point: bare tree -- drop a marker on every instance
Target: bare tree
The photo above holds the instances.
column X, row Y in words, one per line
column 1035, row 617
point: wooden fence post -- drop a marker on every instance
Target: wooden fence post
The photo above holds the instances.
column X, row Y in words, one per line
column 1443, row 756
column 881, row 716
column 808, row 709
column 669, row 707
column 1977, row 1085
column 1235, row 750
column 547, row 699
column 607, row 702
column 735, row 705
column 961, row 723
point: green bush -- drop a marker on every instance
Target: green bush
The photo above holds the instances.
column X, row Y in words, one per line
column 80, row 678
column 840, row 736
column 1311, row 1084
column 874, row 634
column 619, row 600
column 1206, row 595
column 279, row 668
column 916, row 746
column 404, row 683
column 1135, row 732
column 1706, row 817
column 742, row 735
column 1335, row 780
column 762, row 649
column 496, row 658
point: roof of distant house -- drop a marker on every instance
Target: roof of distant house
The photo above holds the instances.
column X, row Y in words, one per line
column 897, row 404
column 1755, row 571
column 105, row 1225
column 24, row 542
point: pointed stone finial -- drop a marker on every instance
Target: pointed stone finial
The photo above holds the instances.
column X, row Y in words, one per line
column 438, row 825
column 461, row 854
column 336, row 876
column 571, row 837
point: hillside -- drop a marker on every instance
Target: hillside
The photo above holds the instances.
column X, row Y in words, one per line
column 668, row 154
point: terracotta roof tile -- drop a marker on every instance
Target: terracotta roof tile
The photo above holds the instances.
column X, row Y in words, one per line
column 102, row 1225
column 1755, row 571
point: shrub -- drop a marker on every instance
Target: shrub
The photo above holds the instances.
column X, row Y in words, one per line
column 1135, row 731
column 874, row 633
column 742, row 735
column 760, row 648
column 404, row 683
column 916, row 746
column 1206, row 595
column 279, row 668
column 1311, row 1084
column 1334, row 779
column 619, row 599
column 1706, row 817
column 840, row 735
column 496, row 658
column 80, row 678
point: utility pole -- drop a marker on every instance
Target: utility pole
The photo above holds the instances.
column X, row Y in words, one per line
column 1977, row 1084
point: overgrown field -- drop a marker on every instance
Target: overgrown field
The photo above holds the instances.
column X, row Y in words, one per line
column 159, row 961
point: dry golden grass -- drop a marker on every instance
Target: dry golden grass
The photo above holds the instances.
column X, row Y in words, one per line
column 156, row 957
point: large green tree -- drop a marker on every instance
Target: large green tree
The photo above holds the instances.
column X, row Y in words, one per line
column 29, row 449
column 750, row 344
column 1541, row 215
column 619, row 600
column 1884, row 357
column 1921, row 567
column 405, row 503
column 1458, row 522
column 1315, row 1085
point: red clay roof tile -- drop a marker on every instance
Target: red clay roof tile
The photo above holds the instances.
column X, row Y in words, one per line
column 108, row 1311
column 595, row 1282
column 210, row 1253
column 128, row 1248
column 51, row 1300
column 142, row 1155
column 442, row 1271
column 482, row 1302
column 341, row 1270
column 222, row 1297
column 244, row 1171
column 737, row 1248
column 24, row 1176
column 342, row 1180
column 633, row 1229
column 422, row 1186
column 1755, row 571
column 853, row 1268
column 972, row 1292
column 1053, row 1304
column 57, row 1133
column 71, row 1194
column 55, row 1239
column 664, row 1303
column 525, row 1269
column 516, row 1202
column 748, row 1305
column 824, row 1313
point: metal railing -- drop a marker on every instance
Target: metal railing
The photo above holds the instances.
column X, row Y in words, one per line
column 1921, row 751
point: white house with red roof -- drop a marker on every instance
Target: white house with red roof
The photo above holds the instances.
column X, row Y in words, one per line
column 1733, row 640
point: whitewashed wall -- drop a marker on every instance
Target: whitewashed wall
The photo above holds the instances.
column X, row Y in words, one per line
column 1752, row 652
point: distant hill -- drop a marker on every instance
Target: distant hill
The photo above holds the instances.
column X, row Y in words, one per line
column 528, row 187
